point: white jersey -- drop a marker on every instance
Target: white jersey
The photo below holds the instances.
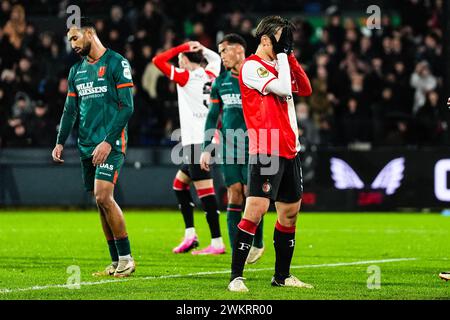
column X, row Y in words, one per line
column 193, row 89
column 193, row 102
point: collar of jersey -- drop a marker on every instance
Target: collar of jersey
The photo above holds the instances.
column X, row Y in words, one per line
column 272, row 63
column 97, row 60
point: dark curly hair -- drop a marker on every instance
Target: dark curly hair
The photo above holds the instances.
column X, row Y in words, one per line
column 195, row 57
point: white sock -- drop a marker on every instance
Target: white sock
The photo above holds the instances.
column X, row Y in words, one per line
column 127, row 257
column 189, row 232
column 217, row 243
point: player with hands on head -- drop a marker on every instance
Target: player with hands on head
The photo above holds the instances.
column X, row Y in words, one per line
column 193, row 90
column 267, row 81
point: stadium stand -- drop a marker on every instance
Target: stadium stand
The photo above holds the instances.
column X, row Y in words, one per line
column 380, row 87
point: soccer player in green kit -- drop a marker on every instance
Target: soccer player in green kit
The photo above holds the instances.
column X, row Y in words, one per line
column 226, row 99
column 100, row 95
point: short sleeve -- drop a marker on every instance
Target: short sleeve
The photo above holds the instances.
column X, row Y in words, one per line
column 180, row 76
column 256, row 76
column 214, row 97
column 122, row 74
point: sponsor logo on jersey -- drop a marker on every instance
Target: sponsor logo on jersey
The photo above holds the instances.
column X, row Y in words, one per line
column 82, row 71
column 198, row 75
column 262, row 72
column 231, row 98
column 285, row 99
column 106, row 166
column 105, row 174
column 101, row 71
column 200, row 115
column 87, row 88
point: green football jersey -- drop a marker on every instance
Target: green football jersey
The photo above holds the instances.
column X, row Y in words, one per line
column 225, row 100
column 100, row 95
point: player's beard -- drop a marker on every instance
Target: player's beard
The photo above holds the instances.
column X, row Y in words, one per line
column 232, row 66
column 86, row 49
column 229, row 65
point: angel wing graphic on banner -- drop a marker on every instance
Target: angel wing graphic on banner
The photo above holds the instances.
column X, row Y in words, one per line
column 344, row 176
column 389, row 178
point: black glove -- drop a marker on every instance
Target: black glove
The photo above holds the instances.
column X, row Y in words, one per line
column 286, row 42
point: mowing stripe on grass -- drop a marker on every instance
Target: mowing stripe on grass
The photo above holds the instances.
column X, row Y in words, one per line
column 338, row 264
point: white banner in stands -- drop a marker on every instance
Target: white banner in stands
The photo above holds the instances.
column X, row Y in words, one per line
column 441, row 189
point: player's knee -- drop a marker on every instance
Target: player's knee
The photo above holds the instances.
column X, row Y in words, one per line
column 260, row 205
column 292, row 210
column 291, row 215
column 236, row 199
column 103, row 199
column 235, row 195
column 288, row 218
column 256, row 208
column 288, row 221
column 261, row 209
column 236, row 188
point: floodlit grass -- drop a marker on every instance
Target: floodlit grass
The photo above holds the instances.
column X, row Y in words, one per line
column 333, row 252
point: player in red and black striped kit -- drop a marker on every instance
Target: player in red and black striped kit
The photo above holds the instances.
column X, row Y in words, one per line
column 267, row 81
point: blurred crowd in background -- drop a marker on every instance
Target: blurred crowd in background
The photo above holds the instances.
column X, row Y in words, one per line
column 381, row 87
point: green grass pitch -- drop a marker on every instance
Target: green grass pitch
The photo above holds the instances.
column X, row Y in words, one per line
column 334, row 252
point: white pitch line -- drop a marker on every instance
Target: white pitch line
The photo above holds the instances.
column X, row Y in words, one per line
column 339, row 264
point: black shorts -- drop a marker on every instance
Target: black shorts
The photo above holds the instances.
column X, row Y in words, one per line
column 191, row 163
column 276, row 178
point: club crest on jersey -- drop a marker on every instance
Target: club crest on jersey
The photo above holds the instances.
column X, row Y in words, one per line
column 101, row 71
column 266, row 187
column 262, row 72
